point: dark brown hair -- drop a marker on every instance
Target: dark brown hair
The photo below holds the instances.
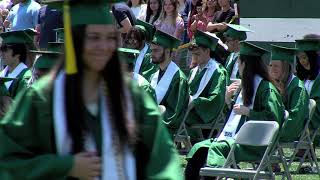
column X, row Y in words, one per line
column 254, row 65
column 112, row 75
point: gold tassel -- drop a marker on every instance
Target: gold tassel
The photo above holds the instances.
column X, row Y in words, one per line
column 71, row 66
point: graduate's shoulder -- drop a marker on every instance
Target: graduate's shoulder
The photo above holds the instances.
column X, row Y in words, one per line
column 42, row 87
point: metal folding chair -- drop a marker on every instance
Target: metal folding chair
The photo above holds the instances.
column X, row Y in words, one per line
column 305, row 142
column 182, row 135
column 252, row 133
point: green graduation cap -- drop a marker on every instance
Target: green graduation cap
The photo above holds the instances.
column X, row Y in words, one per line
column 236, row 32
column 127, row 55
column 251, row 49
column 165, row 40
column 46, row 60
column 282, row 53
column 55, row 46
column 21, row 36
column 308, row 44
column 59, row 34
column 85, row 11
column 148, row 28
column 205, row 39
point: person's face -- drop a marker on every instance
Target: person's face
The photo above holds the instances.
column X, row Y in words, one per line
column 100, row 43
column 199, row 9
column 168, row 7
column 241, row 66
column 211, row 3
column 154, row 5
column 231, row 43
column 275, row 70
column 7, row 55
column 199, row 55
column 303, row 59
column 223, row 2
column 132, row 42
column 157, row 54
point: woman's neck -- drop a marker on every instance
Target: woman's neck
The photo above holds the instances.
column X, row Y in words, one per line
column 135, row 4
column 225, row 8
column 90, row 85
column 210, row 12
column 169, row 14
column 154, row 13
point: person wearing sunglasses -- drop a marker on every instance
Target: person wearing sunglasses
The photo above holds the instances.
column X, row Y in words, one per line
column 13, row 56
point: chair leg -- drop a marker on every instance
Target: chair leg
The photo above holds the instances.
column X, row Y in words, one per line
column 314, row 159
column 284, row 164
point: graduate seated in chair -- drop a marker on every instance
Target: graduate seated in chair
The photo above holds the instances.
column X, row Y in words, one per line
column 233, row 36
column 258, row 100
column 308, row 70
column 169, row 81
column 14, row 56
column 129, row 56
column 138, row 38
column 207, row 83
column 292, row 90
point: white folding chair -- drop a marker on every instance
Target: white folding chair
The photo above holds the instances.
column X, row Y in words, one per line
column 252, row 133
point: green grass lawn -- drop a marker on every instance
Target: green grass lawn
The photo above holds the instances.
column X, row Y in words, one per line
column 292, row 168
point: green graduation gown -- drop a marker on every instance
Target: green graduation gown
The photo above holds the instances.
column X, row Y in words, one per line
column 17, row 85
column 267, row 106
column 175, row 101
column 31, row 153
column 315, row 95
column 296, row 103
column 210, row 102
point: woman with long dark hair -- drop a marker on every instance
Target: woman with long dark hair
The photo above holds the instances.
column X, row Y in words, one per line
column 154, row 8
column 80, row 121
column 308, row 70
column 258, row 100
column 292, row 90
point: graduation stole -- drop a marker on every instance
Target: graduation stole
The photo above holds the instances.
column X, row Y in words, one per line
column 16, row 72
column 308, row 84
column 162, row 87
column 211, row 67
column 229, row 130
column 291, row 79
column 139, row 79
column 63, row 140
column 140, row 58
column 235, row 67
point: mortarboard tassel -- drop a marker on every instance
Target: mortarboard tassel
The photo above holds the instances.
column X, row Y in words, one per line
column 71, row 67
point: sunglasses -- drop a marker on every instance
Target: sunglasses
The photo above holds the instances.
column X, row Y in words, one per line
column 5, row 47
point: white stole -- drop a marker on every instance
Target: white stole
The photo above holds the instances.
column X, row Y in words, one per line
column 13, row 74
column 229, row 130
column 63, row 140
column 140, row 58
column 231, row 58
column 308, row 84
column 162, row 87
column 210, row 69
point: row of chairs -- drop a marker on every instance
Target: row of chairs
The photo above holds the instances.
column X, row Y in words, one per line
column 265, row 134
